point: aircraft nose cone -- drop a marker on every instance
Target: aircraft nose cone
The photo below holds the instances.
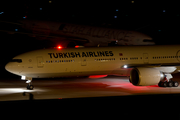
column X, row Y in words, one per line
column 7, row 67
column 13, row 68
column 10, row 67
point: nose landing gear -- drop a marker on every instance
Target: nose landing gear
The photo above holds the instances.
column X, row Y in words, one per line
column 29, row 86
column 29, row 82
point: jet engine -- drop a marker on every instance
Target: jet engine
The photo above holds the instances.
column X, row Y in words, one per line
column 141, row 76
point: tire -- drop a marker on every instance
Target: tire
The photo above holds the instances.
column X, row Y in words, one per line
column 175, row 84
column 30, row 87
column 160, row 84
column 170, row 84
column 27, row 87
column 165, row 84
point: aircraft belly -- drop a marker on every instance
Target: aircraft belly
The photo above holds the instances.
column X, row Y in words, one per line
column 66, row 74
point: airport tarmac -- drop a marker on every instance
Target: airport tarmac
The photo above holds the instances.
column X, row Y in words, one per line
column 93, row 86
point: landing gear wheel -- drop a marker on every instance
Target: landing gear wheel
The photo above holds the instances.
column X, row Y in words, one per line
column 30, row 87
column 170, row 84
column 175, row 84
column 164, row 84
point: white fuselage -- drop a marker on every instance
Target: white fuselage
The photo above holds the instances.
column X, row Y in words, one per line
column 67, row 62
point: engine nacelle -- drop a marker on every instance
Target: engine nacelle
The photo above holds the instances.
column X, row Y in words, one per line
column 141, row 76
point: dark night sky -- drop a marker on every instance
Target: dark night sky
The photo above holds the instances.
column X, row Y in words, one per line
column 90, row 11
column 159, row 19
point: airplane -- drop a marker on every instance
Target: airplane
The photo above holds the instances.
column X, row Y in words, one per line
column 145, row 65
column 70, row 35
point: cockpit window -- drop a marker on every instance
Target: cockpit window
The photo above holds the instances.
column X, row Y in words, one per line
column 16, row 60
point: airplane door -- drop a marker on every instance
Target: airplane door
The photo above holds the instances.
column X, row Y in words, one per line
column 40, row 62
column 83, row 62
column 146, row 59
